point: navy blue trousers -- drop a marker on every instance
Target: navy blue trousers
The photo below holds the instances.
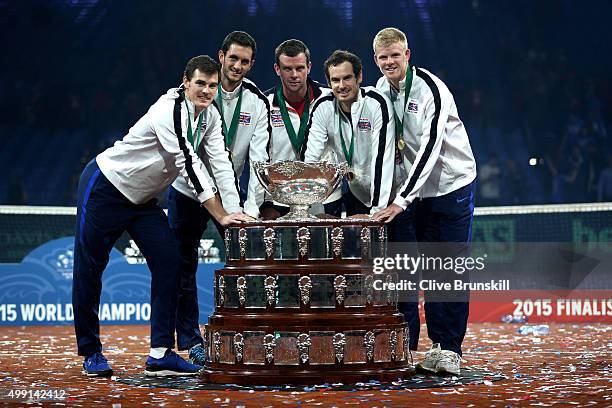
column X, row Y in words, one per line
column 351, row 204
column 188, row 221
column 447, row 218
column 103, row 214
column 281, row 209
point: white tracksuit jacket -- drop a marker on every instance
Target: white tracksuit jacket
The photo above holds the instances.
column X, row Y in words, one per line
column 215, row 158
column 252, row 137
column 437, row 158
column 280, row 144
column 373, row 128
column 154, row 153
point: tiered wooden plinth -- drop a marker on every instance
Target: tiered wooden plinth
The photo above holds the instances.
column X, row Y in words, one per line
column 296, row 304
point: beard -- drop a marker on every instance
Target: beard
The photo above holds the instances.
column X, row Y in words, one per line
column 226, row 75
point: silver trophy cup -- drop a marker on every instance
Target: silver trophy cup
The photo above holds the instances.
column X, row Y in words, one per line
column 299, row 184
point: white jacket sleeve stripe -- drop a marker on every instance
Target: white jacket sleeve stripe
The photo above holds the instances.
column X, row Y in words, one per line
column 433, row 134
column 382, row 144
column 258, row 148
column 266, row 102
column 309, row 124
column 183, row 146
column 229, row 153
column 231, row 160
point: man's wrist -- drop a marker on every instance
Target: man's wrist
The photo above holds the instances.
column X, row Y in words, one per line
column 214, row 208
column 401, row 202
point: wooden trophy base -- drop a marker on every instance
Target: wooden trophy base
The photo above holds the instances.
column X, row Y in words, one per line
column 296, row 303
column 278, row 376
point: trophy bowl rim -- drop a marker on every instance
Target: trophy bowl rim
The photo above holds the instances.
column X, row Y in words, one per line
column 272, row 187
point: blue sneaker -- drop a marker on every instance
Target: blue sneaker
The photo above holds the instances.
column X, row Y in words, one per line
column 96, row 365
column 171, row 364
column 197, row 355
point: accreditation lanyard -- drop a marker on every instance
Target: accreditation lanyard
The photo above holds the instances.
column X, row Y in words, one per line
column 399, row 124
column 348, row 153
column 229, row 135
column 296, row 140
column 195, row 142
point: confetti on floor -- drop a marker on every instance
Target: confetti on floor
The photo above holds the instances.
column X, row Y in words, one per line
column 570, row 366
column 467, row 377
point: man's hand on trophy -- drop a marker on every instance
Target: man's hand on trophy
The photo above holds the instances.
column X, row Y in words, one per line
column 388, row 213
column 269, row 213
column 234, row 218
column 359, row 216
column 215, row 208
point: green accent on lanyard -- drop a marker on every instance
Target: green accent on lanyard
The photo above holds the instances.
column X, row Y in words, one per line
column 399, row 124
column 348, row 154
column 296, row 140
column 189, row 131
column 229, row 135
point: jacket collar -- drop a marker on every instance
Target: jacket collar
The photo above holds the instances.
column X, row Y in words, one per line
column 316, row 90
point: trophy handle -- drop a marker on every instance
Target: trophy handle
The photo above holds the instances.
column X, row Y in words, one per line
column 341, row 170
column 261, row 171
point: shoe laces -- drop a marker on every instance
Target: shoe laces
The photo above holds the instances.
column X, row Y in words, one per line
column 434, row 351
column 450, row 357
column 197, row 353
column 171, row 354
column 97, row 358
column 178, row 360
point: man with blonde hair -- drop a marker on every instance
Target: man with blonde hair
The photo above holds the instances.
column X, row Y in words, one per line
column 434, row 196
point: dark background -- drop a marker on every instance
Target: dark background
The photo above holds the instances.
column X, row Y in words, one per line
column 532, row 80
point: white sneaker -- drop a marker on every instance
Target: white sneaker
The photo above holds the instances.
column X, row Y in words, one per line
column 449, row 362
column 430, row 362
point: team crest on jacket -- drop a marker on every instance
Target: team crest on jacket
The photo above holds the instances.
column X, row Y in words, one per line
column 277, row 119
column 245, row 119
column 364, row 125
column 412, row 107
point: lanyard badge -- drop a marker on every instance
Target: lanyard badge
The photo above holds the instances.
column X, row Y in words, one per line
column 399, row 124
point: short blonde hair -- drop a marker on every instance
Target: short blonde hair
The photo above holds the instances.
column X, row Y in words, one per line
column 388, row 36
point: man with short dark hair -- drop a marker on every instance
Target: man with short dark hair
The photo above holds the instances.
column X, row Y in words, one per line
column 245, row 112
column 117, row 193
column 291, row 102
column 356, row 123
column 238, row 122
